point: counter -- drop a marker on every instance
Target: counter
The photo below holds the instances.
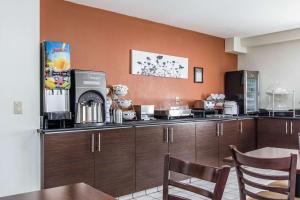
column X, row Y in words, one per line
column 279, row 117
column 131, row 124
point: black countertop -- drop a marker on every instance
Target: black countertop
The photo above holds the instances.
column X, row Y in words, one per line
column 279, row 117
column 131, row 124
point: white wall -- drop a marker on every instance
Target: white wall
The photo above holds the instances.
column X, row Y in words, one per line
column 19, row 81
column 276, row 63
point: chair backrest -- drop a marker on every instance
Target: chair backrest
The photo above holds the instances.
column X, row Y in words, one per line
column 216, row 175
column 286, row 164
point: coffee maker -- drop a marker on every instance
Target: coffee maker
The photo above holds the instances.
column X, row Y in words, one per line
column 55, row 84
column 88, row 98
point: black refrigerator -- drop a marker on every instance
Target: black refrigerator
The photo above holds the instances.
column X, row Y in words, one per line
column 243, row 87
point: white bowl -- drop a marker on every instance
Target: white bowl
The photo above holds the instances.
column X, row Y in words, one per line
column 124, row 103
column 128, row 115
column 120, row 90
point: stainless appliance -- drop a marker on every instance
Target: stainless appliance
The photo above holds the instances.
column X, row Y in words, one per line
column 144, row 112
column 118, row 116
column 88, row 97
column 231, row 108
column 204, row 105
column 173, row 112
column 243, row 87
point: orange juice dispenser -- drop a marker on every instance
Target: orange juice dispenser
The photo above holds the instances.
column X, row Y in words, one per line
column 55, row 84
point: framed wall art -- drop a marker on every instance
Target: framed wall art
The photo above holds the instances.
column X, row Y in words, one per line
column 198, row 74
column 155, row 64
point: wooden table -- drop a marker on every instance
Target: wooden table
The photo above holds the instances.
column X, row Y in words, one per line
column 79, row 191
column 273, row 152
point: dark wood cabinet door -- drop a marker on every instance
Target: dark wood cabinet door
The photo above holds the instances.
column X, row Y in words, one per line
column 207, row 143
column 151, row 146
column 115, row 161
column 273, row 133
column 182, row 144
column 246, row 137
column 67, row 159
column 182, row 141
column 294, row 130
column 227, row 136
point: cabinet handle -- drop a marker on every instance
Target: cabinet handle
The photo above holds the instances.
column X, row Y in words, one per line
column 241, row 127
column 222, row 129
column 167, row 135
column 291, row 128
column 93, row 143
column 172, row 135
column 286, row 128
column 99, row 142
column 218, row 129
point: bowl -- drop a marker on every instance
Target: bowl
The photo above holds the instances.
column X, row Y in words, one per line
column 120, row 90
column 129, row 115
column 124, row 103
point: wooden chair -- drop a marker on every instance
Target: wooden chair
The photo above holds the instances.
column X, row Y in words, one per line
column 287, row 164
column 284, row 183
column 211, row 174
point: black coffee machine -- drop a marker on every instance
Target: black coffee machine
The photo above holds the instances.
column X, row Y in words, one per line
column 88, row 98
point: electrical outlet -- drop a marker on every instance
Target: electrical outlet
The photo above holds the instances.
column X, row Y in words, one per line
column 18, row 108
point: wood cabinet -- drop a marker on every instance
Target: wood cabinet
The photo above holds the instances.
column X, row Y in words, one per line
column 207, row 143
column 273, row 132
column 294, row 131
column 124, row 160
column 182, row 144
column 214, row 137
column 153, row 142
column 246, row 136
column 104, row 159
column 151, row 146
column 115, row 161
column 182, row 141
column 227, row 136
column 67, row 158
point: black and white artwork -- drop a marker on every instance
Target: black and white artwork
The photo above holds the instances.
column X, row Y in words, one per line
column 153, row 64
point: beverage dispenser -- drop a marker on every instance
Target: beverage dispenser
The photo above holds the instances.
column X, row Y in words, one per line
column 88, row 97
column 55, row 84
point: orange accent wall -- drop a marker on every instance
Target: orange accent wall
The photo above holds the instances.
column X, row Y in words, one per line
column 102, row 40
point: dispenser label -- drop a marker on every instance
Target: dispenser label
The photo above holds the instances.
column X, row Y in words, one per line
column 56, row 64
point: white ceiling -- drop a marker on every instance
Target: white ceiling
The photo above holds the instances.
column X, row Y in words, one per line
column 222, row 18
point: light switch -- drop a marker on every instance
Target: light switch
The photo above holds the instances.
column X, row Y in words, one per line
column 18, row 108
